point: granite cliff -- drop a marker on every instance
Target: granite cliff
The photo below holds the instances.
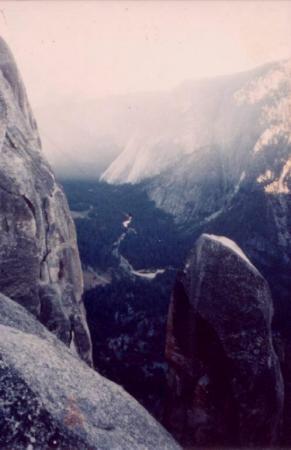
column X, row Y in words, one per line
column 52, row 399
column 39, row 260
column 224, row 380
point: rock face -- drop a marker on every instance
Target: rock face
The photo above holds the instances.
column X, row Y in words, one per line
column 52, row 399
column 219, row 127
column 224, row 379
column 39, row 260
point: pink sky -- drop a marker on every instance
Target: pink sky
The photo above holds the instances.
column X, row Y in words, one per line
column 95, row 48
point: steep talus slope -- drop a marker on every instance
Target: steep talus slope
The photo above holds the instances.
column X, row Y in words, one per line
column 39, row 261
column 225, row 383
column 51, row 399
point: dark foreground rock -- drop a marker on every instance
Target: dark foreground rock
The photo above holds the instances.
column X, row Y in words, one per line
column 39, row 260
column 51, row 399
column 224, row 380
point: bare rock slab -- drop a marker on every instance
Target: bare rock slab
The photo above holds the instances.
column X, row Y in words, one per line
column 49, row 398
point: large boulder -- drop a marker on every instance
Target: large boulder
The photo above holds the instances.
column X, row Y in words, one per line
column 39, row 260
column 52, row 399
column 224, row 380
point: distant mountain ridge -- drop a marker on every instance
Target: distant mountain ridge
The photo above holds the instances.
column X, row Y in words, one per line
column 83, row 138
column 214, row 127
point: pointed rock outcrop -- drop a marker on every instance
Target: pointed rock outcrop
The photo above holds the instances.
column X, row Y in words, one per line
column 224, row 380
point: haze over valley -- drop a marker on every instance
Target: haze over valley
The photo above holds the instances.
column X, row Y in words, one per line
column 145, row 216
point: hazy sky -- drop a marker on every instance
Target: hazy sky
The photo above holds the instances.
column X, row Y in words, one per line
column 95, row 48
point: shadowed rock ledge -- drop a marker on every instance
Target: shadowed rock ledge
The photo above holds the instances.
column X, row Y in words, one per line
column 39, row 260
column 224, row 381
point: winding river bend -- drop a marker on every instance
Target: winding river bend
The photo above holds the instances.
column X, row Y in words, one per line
column 124, row 264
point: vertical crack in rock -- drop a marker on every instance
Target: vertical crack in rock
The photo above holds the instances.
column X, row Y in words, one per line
column 47, row 250
column 30, row 206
